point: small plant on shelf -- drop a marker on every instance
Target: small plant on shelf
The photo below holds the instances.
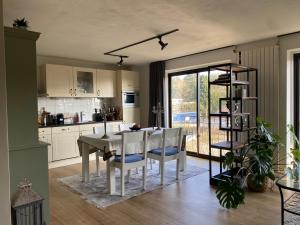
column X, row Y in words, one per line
column 256, row 169
column 20, row 23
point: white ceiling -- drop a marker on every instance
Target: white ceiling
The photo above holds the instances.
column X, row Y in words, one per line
column 85, row 29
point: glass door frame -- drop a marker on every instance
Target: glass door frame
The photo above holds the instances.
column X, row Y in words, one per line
column 180, row 73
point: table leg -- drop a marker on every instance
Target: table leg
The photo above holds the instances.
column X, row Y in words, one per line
column 182, row 164
column 85, row 163
column 111, row 178
column 97, row 164
column 282, row 206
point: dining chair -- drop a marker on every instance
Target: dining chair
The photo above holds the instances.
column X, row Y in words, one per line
column 133, row 155
column 125, row 126
column 169, row 150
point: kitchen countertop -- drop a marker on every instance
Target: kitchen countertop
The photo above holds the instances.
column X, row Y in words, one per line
column 76, row 124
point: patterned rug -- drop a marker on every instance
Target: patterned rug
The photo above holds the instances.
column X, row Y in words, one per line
column 96, row 193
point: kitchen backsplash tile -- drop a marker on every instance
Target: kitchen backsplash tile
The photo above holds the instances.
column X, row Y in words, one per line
column 72, row 105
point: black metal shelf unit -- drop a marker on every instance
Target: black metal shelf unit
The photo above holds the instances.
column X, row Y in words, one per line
column 237, row 122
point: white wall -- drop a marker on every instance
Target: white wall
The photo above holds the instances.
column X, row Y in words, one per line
column 4, row 167
column 201, row 60
column 264, row 55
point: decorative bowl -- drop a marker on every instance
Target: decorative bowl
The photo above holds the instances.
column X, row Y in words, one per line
column 134, row 128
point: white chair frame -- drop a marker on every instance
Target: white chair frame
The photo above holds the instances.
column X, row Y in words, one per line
column 170, row 132
column 129, row 138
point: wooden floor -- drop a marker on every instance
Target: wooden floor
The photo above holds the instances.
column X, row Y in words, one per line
column 190, row 202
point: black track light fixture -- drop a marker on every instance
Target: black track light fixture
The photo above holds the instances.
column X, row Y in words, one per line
column 159, row 36
column 162, row 44
column 120, row 63
column 122, row 57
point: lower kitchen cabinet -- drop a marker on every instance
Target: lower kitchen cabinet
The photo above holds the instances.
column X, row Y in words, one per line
column 64, row 142
column 47, row 139
column 45, row 136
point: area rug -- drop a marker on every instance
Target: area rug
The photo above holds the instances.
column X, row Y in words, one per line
column 96, row 193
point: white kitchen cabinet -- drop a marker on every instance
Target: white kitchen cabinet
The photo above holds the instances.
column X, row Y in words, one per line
column 131, row 115
column 56, row 80
column 129, row 80
column 106, row 84
column 45, row 136
column 84, row 82
column 64, row 142
column 47, row 139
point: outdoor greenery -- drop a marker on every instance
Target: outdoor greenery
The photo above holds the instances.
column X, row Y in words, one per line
column 294, row 170
column 295, row 150
column 257, row 159
column 184, row 89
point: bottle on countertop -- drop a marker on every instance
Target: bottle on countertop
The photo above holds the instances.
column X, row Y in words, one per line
column 95, row 115
column 44, row 115
column 113, row 115
column 76, row 118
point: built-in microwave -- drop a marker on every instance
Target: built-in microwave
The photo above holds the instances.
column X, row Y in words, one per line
column 130, row 99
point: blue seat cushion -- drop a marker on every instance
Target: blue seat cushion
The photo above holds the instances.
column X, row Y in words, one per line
column 130, row 158
column 170, row 150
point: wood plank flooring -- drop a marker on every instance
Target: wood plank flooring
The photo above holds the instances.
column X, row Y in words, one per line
column 190, row 202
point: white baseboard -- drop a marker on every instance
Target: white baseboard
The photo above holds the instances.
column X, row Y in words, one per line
column 67, row 162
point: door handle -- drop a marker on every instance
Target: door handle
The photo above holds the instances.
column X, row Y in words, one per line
column 98, row 92
column 71, row 91
column 75, row 92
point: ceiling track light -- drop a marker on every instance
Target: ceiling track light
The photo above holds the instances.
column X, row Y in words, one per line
column 122, row 57
column 159, row 36
column 120, row 63
column 162, row 44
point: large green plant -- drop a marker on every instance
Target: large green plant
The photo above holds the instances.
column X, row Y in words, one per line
column 257, row 159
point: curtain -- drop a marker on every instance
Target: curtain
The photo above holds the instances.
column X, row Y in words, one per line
column 156, row 89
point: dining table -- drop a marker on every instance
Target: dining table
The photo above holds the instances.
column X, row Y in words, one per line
column 89, row 144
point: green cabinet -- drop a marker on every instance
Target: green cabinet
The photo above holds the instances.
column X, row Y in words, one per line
column 27, row 156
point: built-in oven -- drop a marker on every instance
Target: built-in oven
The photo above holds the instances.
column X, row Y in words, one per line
column 130, row 99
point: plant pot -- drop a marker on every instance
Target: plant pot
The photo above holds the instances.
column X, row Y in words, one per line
column 252, row 187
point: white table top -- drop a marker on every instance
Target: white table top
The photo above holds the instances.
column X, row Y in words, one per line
column 114, row 141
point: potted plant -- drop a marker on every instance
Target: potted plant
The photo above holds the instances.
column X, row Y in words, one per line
column 20, row 23
column 294, row 171
column 257, row 169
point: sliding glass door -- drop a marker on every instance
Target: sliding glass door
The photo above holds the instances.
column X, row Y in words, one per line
column 183, row 113
column 188, row 108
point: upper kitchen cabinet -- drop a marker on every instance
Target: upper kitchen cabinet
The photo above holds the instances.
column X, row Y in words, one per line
column 84, row 82
column 106, row 83
column 129, row 80
column 56, row 80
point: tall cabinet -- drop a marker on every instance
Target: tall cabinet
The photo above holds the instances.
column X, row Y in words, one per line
column 236, row 115
column 128, row 81
column 27, row 156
